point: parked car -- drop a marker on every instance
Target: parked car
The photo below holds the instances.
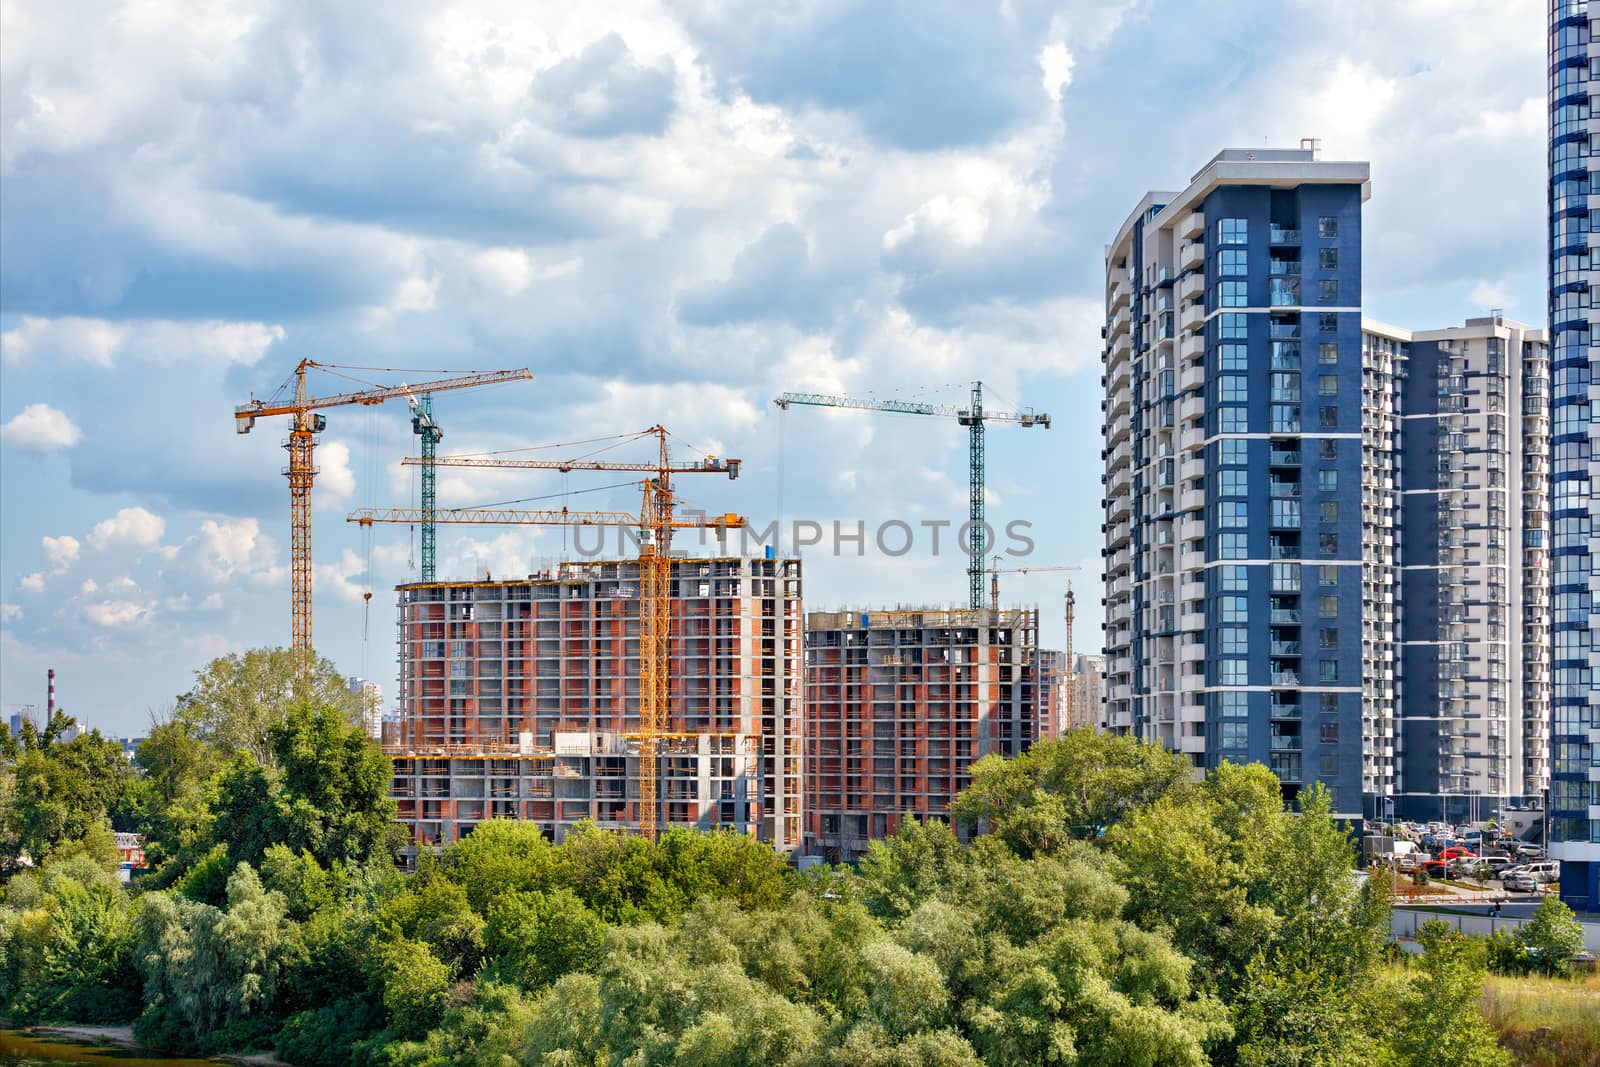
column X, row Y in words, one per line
column 1497, row 861
column 1520, row 882
column 1530, row 851
column 1545, row 870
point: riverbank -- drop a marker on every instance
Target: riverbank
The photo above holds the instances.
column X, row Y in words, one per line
column 91, row 1039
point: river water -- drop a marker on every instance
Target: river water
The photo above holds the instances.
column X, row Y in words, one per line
column 18, row 1049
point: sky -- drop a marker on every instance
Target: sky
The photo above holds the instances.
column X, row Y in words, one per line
column 670, row 212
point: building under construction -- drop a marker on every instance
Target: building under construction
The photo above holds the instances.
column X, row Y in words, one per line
column 520, row 699
column 899, row 704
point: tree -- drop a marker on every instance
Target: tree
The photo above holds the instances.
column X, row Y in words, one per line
column 415, row 984
column 213, row 975
column 58, row 791
column 1552, row 936
column 1438, row 1018
column 1072, row 787
column 326, row 794
column 66, row 946
column 237, row 699
column 535, row 938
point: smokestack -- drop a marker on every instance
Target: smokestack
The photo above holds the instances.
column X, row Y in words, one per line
column 50, row 696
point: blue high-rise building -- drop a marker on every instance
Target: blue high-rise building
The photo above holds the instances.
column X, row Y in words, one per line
column 1574, row 808
column 1250, row 484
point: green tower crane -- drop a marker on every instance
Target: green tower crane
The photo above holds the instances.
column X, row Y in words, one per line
column 424, row 427
column 974, row 417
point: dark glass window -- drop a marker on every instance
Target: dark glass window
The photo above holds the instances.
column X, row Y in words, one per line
column 1328, row 417
column 1328, row 258
column 1327, row 226
column 1328, row 291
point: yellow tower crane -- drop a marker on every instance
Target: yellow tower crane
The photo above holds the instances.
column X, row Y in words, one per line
column 655, row 523
column 293, row 399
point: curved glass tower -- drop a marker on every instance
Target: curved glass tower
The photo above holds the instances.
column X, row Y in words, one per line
column 1574, row 808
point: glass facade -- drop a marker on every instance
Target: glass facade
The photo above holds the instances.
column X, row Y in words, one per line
column 1574, row 306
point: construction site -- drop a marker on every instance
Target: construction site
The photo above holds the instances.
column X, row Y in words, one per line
column 899, row 704
column 521, row 699
column 670, row 690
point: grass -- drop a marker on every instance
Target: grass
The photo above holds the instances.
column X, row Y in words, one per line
column 1546, row 1022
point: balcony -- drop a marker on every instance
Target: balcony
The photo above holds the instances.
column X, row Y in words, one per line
column 1193, row 317
column 1285, row 617
column 1191, row 287
column 1285, row 292
column 1282, row 237
column 1285, row 648
column 1284, row 457
column 1192, row 225
column 1192, row 254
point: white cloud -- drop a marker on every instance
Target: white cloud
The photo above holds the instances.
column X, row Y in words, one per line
column 336, row 482
column 116, row 613
column 62, row 552
column 40, row 428
column 32, row 583
column 99, row 343
column 224, row 550
column 1487, row 294
column 339, row 579
column 88, row 587
column 133, row 526
column 65, row 340
column 9, row 612
column 1055, row 67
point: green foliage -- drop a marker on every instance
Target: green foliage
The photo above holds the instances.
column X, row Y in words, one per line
column 212, row 975
column 415, row 985
column 56, row 791
column 536, row 938
column 1436, row 1018
column 66, row 945
column 1551, row 937
column 327, row 1036
column 238, row 699
column 1072, row 787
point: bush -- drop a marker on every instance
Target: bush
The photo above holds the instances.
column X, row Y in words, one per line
column 326, row 1037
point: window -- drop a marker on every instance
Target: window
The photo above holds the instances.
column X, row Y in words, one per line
column 1328, row 352
column 1232, row 389
column 1327, row 227
column 1330, row 703
column 1285, row 418
column 1328, row 447
column 1232, row 295
column 1232, row 231
column 1330, row 733
column 1328, row 258
column 1285, row 577
column 1233, row 450
column 1328, row 543
column 1327, row 385
column 1231, row 483
column 1232, row 546
column 1233, row 640
column 1233, row 734
column 1231, row 514
column 1328, row 670
column 1329, row 575
column 1231, row 608
column 1328, row 637
column 1233, row 705
column 1328, row 322
column 1286, row 514
column 1328, row 511
column 1328, row 606
column 1328, row 291
column 1328, row 481
column 1233, row 357
column 1285, row 385
column 1233, row 326
column 1233, row 420
column 1232, row 261
column 1328, row 417
column 1235, row 672
column 1233, row 578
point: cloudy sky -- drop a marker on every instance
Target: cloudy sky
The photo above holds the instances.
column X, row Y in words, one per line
column 669, row 212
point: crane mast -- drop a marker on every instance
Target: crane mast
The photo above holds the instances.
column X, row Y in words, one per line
column 655, row 523
column 975, row 417
column 305, row 423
